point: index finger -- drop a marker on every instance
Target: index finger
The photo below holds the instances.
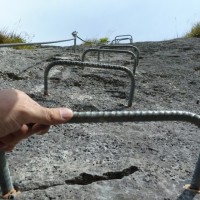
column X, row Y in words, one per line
column 47, row 116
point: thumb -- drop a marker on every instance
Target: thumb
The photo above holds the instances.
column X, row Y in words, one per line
column 51, row 116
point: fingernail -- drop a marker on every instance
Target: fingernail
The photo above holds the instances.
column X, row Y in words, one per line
column 66, row 113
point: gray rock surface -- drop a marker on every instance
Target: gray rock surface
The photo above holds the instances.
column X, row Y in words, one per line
column 119, row 161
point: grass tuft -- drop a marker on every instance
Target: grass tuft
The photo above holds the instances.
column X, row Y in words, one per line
column 12, row 37
column 94, row 42
column 104, row 40
column 7, row 38
column 90, row 42
column 195, row 31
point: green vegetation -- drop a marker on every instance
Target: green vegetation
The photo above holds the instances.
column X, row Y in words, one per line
column 90, row 42
column 94, row 42
column 195, row 31
column 104, row 40
column 12, row 37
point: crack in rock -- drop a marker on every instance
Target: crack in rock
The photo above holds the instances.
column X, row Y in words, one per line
column 39, row 187
column 44, row 187
column 11, row 76
column 14, row 76
column 85, row 179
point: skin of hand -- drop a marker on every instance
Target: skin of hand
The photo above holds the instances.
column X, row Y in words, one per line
column 21, row 117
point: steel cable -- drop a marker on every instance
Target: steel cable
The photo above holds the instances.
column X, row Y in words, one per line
column 80, row 39
column 33, row 43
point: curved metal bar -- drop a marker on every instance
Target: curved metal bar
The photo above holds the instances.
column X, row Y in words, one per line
column 5, row 179
column 32, row 43
column 111, row 50
column 112, row 42
column 92, row 65
column 123, row 36
column 143, row 116
column 118, row 116
column 135, row 49
column 135, row 116
column 195, row 183
column 117, row 38
column 121, row 39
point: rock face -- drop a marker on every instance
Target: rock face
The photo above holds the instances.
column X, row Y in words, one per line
column 143, row 160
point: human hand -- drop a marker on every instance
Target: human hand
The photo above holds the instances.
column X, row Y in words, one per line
column 21, row 116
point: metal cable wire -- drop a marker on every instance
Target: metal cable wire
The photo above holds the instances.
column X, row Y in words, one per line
column 32, row 43
column 80, row 39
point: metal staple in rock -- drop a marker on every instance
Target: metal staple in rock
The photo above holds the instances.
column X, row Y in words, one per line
column 143, row 116
column 135, row 49
column 195, row 183
column 91, row 65
column 133, row 116
column 5, row 179
column 111, row 50
column 119, row 116
column 119, row 38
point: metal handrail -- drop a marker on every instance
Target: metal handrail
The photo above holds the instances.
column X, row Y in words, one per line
column 74, row 34
column 90, row 65
column 32, row 43
column 111, row 50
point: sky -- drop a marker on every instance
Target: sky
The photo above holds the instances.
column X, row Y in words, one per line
column 145, row 20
